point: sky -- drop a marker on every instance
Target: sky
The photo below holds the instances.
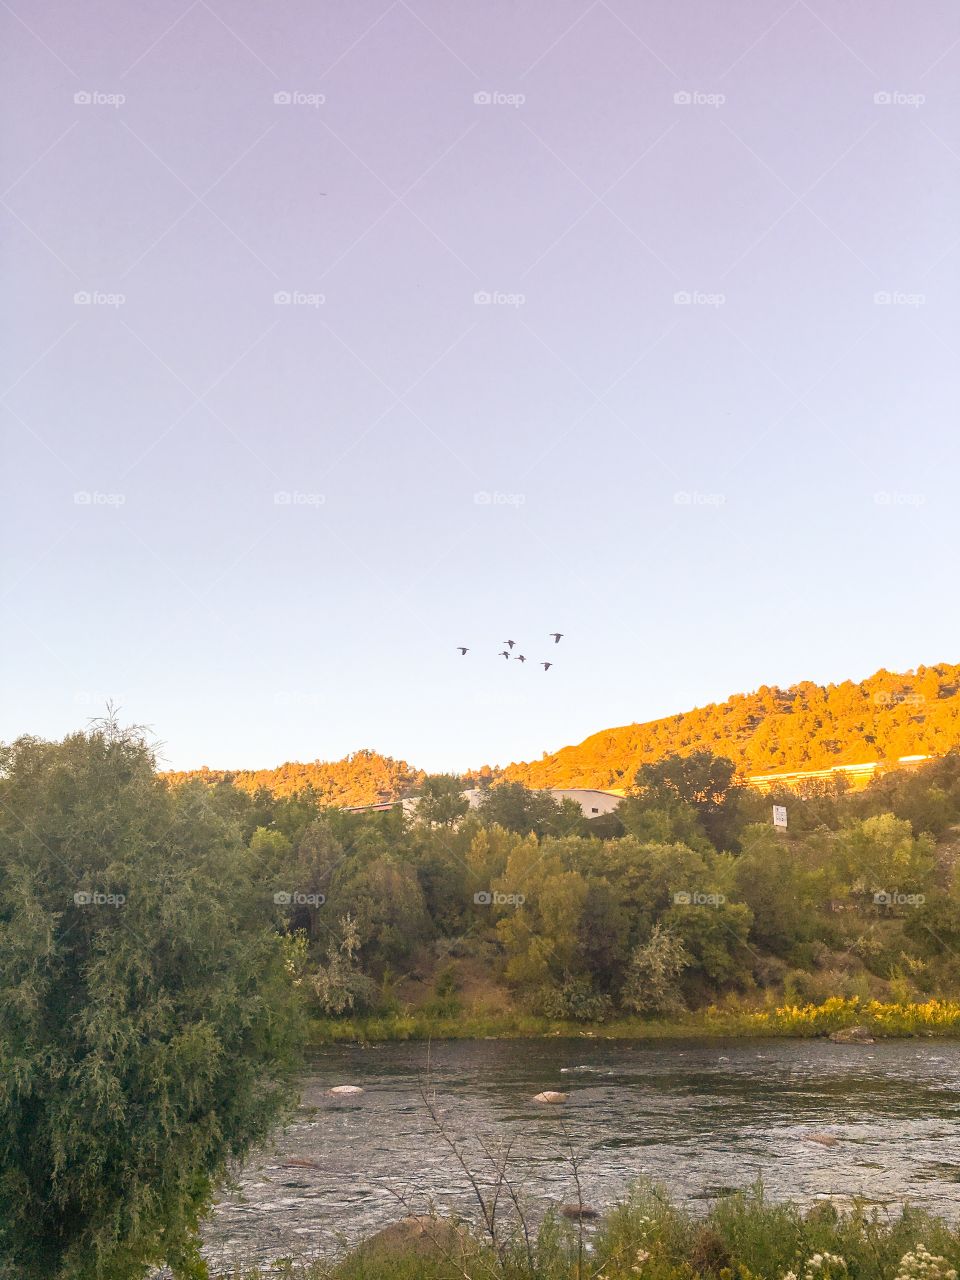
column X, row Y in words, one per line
column 338, row 335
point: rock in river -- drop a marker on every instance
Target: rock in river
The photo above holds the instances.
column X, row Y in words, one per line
column 852, row 1035
column 551, row 1097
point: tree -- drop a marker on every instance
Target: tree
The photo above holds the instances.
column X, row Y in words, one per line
column 652, row 985
column 515, row 808
column 702, row 781
column 148, row 1025
column 442, row 800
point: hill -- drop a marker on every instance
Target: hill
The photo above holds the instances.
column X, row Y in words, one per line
column 806, row 726
column 364, row 777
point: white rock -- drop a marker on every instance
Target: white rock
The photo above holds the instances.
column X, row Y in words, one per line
column 551, row 1096
column 345, row 1091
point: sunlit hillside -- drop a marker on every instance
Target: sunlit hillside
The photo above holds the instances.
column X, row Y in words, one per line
column 807, row 726
column 361, row 778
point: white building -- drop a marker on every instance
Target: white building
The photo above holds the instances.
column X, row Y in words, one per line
column 592, row 803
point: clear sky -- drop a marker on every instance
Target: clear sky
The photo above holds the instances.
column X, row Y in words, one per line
column 262, row 526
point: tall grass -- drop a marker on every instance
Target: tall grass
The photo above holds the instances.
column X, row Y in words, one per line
column 933, row 1017
column 743, row 1237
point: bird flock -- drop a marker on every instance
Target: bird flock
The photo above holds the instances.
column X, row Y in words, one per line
column 510, row 645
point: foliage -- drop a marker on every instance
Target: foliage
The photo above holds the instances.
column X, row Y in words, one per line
column 147, row 1019
column 652, row 985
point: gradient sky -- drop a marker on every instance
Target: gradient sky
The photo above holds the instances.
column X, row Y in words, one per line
column 811, row 426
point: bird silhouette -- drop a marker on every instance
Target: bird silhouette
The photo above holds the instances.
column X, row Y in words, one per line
column 546, row 665
column 463, row 650
column 509, row 643
column 504, row 653
column 557, row 636
column 519, row 658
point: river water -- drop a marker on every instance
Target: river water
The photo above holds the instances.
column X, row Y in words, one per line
column 700, row 1117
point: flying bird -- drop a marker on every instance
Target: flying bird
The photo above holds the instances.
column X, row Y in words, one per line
column 463, row 650
column 519, row 658
column 509, row 643
column 557, row 636
column 504, row 653
column 546, row 665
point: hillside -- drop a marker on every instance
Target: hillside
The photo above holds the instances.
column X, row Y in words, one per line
column 365, row 777
column 806, row 726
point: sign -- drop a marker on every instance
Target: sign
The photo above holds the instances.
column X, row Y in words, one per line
column 780, row 816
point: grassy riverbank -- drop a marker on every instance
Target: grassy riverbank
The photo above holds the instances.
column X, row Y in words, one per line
column 933, row 1017
column 742, row 1237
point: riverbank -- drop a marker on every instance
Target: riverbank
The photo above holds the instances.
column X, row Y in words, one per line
column 881, row 1020
column 741, row 1237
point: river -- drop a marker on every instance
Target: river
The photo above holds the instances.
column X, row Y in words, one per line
column 701, row 1117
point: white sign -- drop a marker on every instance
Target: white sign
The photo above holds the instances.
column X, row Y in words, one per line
column 780, row 816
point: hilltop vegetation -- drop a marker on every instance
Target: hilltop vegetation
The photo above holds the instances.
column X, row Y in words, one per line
column 364, row 777
column 807, row 726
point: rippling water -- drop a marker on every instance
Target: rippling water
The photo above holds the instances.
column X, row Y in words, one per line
column 700, row 1117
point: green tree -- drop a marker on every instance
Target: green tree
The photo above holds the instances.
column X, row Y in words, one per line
column 700, row 780
column 148, row 1025
column 442, row 801
column 652, row 984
